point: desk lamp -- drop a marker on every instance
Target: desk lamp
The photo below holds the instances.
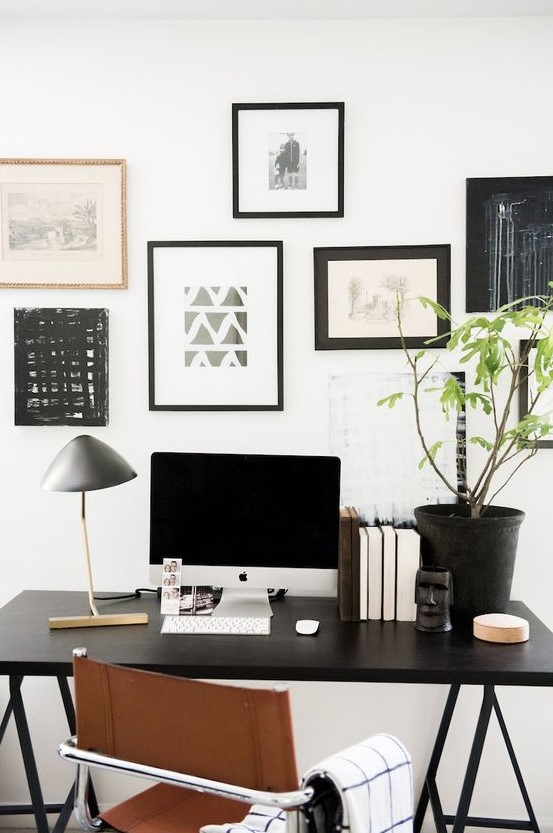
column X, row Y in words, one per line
column 83, row 465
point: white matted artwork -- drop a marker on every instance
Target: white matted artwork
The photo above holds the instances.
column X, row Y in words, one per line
column 215, row 325
column 359, row 289
column 288, row 160
column 380, row 450
column 62, row 223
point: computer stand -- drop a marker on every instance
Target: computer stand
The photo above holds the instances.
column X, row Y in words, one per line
column 238, row 602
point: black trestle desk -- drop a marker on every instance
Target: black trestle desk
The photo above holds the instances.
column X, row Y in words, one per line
column 369, row 652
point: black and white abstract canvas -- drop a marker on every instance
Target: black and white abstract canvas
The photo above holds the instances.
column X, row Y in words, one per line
column 61, row 366
column 509, row 240
column 380, row 450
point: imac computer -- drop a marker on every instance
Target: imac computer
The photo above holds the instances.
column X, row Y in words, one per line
column 246, row 523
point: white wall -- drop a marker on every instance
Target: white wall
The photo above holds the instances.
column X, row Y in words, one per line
column 428, row 103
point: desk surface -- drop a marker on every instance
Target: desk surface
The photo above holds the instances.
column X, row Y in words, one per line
column 341, row 651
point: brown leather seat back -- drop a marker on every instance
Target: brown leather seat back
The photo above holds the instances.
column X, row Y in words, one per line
column 223, row 732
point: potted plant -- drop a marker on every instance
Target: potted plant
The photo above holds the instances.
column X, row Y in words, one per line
column 500, row 352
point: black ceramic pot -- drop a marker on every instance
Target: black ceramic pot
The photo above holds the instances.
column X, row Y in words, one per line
column 479, row 552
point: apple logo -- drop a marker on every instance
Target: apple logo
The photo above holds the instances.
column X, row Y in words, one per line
column 243, row 576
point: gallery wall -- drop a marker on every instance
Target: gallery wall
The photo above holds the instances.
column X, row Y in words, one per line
column 427, row 104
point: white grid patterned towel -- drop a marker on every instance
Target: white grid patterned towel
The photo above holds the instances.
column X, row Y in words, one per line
column 375, row 782
column 260, row 819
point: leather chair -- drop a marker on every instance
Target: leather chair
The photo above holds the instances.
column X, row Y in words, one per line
column 210, row 748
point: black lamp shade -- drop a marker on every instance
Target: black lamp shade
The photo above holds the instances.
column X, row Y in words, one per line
column 86, row 464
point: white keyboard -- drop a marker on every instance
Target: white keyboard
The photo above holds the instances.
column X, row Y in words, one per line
column 242, row 625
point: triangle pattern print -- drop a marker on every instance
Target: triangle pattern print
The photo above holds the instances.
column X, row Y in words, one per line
column 215, row 326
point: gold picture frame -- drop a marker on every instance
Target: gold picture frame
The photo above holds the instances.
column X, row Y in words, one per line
column 63, row 224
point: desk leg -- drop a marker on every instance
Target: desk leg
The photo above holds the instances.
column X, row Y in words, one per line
column 39, row 809
column 462, row 819
column 516, row 767
column 67, row 701
column 6, row 719
column 474, row 759
column 67, row 808
column 430, row 791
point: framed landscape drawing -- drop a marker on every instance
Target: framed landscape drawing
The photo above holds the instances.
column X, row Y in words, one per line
column 62, row 223
column 215, row 325
column 527, row 394
column 288, row 160
column 356, row 291
column 509, row 233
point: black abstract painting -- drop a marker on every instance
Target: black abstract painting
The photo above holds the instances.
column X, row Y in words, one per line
column 61, row 366
column 509, row 240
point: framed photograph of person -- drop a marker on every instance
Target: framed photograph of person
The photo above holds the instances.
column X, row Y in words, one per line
column 508, row 228
column 62, row 223
column 357, row 290
column 215, row 325
column 528, row 391
column 288, row 160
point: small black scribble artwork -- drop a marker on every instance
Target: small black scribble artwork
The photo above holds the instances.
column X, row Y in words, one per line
column 509, row 240
column 61, row 366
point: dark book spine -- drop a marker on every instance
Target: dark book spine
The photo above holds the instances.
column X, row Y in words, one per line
column 355, row 565
column 345, row 596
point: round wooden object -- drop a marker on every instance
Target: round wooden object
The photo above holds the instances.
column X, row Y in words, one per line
column 500, row 627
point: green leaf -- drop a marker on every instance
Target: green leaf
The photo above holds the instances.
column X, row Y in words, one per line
column 452, row 396
column 438, row 309
column 390, row 400
column 454, row 339
column 432, row 451
column 543, row 364
column 531, row 427
column 473, row 398
column 481, row 442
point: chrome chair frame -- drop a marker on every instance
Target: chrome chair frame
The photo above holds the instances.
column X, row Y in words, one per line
column 291, row 802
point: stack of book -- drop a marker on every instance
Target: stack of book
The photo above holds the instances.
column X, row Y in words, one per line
column 377, row 570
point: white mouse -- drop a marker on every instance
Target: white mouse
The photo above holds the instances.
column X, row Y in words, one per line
column 307, row 627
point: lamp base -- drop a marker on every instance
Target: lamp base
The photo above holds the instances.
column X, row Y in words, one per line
column 97, row 621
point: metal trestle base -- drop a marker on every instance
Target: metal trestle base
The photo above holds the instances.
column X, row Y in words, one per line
column 38, row 807
column 430, row 794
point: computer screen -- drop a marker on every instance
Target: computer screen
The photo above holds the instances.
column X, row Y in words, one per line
column 247, row 521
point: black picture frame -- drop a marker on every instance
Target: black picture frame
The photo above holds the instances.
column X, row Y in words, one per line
column 288, row 159
column 215, row 325
column 508, row 240
column 368, row 321
column 524, row 393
